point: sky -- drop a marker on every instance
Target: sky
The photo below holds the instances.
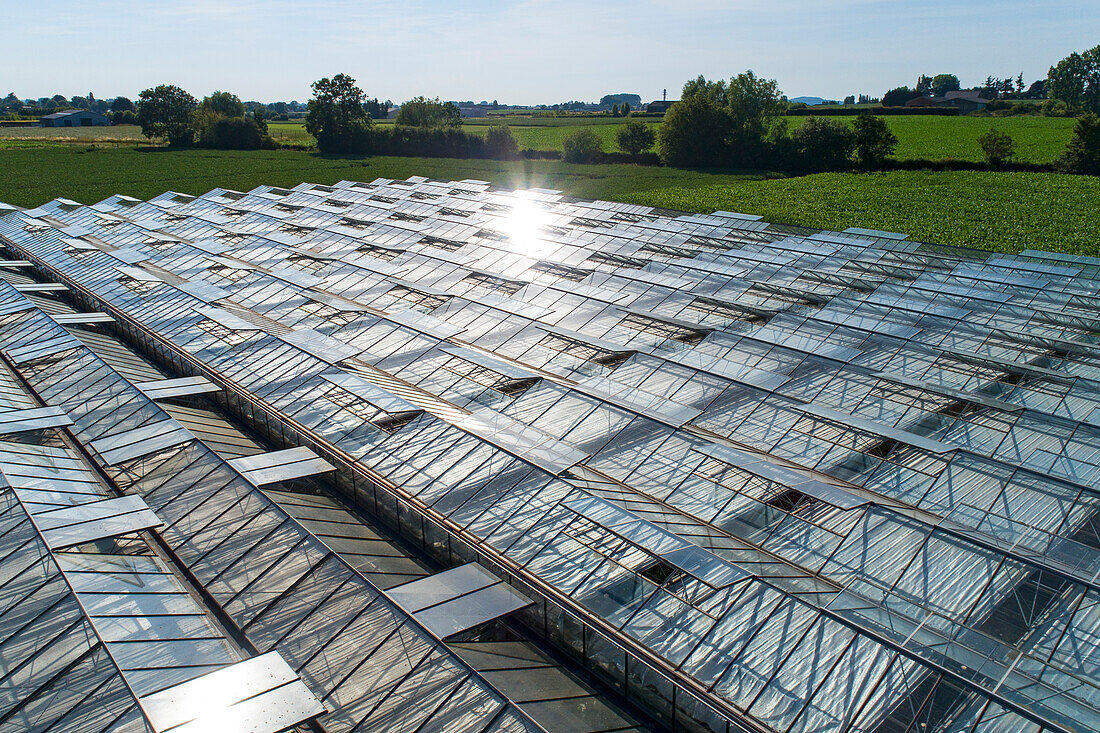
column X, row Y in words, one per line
column 526, row 51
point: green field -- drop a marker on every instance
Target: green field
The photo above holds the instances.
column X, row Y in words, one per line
column 1001, row 211
column 115, row 134
column 1038, row 139
column 29, row 177
column 529, row 135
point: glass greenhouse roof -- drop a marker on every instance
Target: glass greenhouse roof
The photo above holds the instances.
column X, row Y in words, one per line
column 755, row 477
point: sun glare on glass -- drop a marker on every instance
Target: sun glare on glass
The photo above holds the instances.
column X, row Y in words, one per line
column 525, row 226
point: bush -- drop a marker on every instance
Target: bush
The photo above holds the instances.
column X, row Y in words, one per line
column 581, row 146
column 635, row 137
column 1055, row 108
column 1083, row 153
column 233, row 133
column 694, row 134
column 822, row 145
column 997, row 146
column 874, row 142
column 500, row 143
column 125, row 117
column 424, row 112
column 427, row 142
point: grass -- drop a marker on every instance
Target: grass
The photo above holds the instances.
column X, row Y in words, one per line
column 29, row 177
column 994, row 210
column 1005, row 212
column 115, row 134
column 1038, row 139
column 529, row 135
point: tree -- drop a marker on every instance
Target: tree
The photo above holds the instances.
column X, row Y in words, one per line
column 581, row 146
column 850, row 100
column 500, row 143
column 1083, row 153
column 121, row 104
column 377, row 110
column 165, row 111
column 424, row 112
column 754, row 105
column 626, row 109
column 124, row 118
column 614, row 100
column 997, row 146
column 1075, row 80
column 11, row 103
column 259, row 116
column 635, row 137
column 335, row 115
column 873, row 140
column 823, row 145
column 1037, row 90
column 944, row 83
column 225, row 104
column 898, row 96
column 695, row 133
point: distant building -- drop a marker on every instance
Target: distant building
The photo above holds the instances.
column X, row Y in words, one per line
column 477, row 110
column 925, row 102
column 966, row 101
column 75, row 118
column 660, row 106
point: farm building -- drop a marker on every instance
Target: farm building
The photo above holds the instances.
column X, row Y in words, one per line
column 75, row 118
column 420, row 455
column 965, row 101
column 660, row 106
column 924, row 102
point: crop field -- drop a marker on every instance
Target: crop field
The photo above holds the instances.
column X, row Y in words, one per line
column 113, row 134
column 533, row 136
column 1038, row 139
column 999, row 211
column 293, row 133
column 29, row 177
column 994, row 210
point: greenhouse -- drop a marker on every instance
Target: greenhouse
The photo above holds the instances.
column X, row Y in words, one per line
column 428, row 455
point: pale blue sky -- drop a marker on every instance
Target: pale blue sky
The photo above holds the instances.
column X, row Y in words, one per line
column 525, row 51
